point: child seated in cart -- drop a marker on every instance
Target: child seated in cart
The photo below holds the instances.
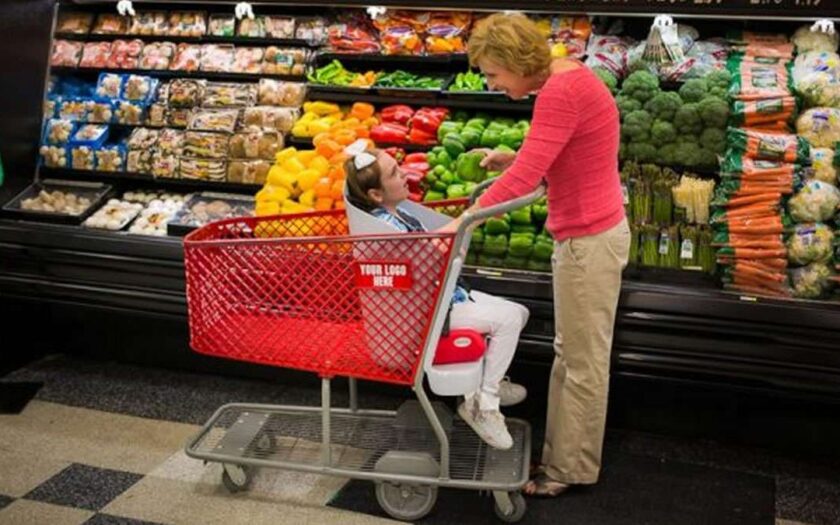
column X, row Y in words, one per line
column 375, row 183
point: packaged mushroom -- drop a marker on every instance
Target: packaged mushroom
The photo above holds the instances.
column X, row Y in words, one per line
column 125, row 54
column 228, row 94
column 139, row 161
column 109, row 24
column 143, row 138
column 178, row 117
column 89, row 135
column 206, row 144
column 222, row 25
column 285, row 61
column 206, row 207
column 187, row 58
column 50, row 106
column 279, row 93
column 128, row 113
column 74, row 23
column 149, row 23
column 213, row 120
column 146, row 197
column 82, row 158
column 313, row 30
column 153, row 218
column 248, row 171
column 255, row 144
column 115, row 215
column 217, row 57
column 157, row 116
column 157, row 55
column 248, row 60
column 165, row 165
column 187, row 23
column 110, row 157
column 57, row 131
column 63, row 202
column 138, row 88
column 186, row 92
column 279, row 27
column 74, row 109
column 95, row 54
column 54, row 156
column 66, row 53
column 270, row 117
column 109, row 85
column 203, row 169
column 101, row 112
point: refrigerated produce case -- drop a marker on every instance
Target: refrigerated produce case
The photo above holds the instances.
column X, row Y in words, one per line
column 122, row 296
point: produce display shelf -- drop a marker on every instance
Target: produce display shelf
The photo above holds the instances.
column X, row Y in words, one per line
column 166, row 73
column 147, row 180
column 506, row 105
column 306, row 143
column 390, row 60
column 236, row 40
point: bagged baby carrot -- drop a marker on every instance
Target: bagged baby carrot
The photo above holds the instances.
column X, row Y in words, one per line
column 760, row 145
column 773, row 112
column 754, row 81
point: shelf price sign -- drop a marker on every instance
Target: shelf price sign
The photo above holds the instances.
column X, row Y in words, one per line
column 781, row 8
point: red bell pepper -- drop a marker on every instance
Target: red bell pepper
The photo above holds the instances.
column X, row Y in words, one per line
column 440, row 113
column 399, row 114
column 425, row 121
column 414, row 181
column 421, row 167
column 415, row 197
column 415, row 157
column 418, row 136
column 389, row 133
column 397, row 153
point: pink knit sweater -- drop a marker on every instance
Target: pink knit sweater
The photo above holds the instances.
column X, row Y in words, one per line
column 573, row 146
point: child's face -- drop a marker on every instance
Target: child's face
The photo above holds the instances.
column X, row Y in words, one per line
column 394, row 184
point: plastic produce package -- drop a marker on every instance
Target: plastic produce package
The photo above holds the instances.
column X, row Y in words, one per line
column 125, row 54
column 165, row 165
column 810, row 243
column 89, row 135
column 149, row 23
column 221, row 25
column 812, row 281
column 252, row 27
column 203, row 169
column 270, row 117
column 66, row 53
column 157, row 115
column 186, row 92
column 128, row 112
column 115, row 215
column 815, row 202
column 248, row 60
column 609, row 52
column 213, row 120
column 95, row 54
column 152, row 219
column 280, row 26
column 82, row 158
column 822, row 165
column 278, row 93
column 255, row 144
column 143, row 139
column 74, row 23
column 446, row 32
column 187, row 58
column 353, row 33
column 311, row 29
column 821, row 126
column 806, row 40
column 74, row 109
column 157, row 55
column 399, row 31
column 57, row 131
column 54, row 156
column 171, row 141
column 762, row 112
column 108, row 24
column 759, row 145
column 284, row 61
column 140, row 89
column 187, row 23
column 224, row 94
column 206, row 145
column 248, row 171
column 109, row 85
column 110, row 157
column 754, row 81
column 217, row 57
column 816, row 77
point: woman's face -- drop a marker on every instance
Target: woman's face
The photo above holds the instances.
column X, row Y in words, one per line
column 394, row 183
column 499, row 78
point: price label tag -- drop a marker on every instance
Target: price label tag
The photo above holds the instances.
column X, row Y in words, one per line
column 687, row 249
column 664, row 240
column 626, row 194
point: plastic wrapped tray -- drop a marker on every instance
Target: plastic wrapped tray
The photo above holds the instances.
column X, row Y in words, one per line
column 203, row 168
column 66, row 53
column 206, row 144
column 206, row 207
column 73, row 23
column 206, row 119
column 187, row 58
column 255, row 144
column 114, row 215
column 93, row 193
column 125, row 54
column 242, row 171
column 149, row 23
column 227, row 94
column 109, row 85
column 110, row 24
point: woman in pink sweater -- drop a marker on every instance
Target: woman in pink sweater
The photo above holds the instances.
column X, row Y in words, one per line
column 573, row 148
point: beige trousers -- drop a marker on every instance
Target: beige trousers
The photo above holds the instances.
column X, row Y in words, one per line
column 587, row 282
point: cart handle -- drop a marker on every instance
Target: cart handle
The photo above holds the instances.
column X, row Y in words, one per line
column 479, row 189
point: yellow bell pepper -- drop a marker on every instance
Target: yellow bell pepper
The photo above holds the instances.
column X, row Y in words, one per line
column 293, row 165
column 321, row 108
column 307, row 198
column 319, row 164
column 281, row 156
column 307, row 179
column 264, row 208
column 273, row 192
column 306, row 156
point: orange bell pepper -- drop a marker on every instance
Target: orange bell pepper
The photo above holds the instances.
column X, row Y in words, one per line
column 323, row 204
column 362, row 111
column 322, row 187
column 337, row 190
column 328, row 148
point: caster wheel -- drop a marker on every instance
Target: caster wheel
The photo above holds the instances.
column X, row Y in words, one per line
column 518, row 510
column 406, row 502
column 237, row 478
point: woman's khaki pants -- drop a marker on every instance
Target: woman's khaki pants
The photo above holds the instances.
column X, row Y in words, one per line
column 587, row 283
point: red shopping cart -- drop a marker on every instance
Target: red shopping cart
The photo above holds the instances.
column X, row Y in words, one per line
column 300, row 292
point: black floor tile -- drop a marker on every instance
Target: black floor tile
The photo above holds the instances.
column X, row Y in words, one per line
column 5, row 500
column 812, row 501
column 84, row 487
column 632, row 490
column 107, row 519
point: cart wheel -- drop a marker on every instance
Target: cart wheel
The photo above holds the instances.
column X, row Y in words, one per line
column 406, row 502
column 518, row 510
column 236, row 478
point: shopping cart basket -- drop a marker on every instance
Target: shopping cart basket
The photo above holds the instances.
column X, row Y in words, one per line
column 301, row 292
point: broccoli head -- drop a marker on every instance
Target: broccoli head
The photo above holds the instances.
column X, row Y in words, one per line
column 719, row 80
column 694, row 90
column 627, row 105
column 687, row 154
column 662, row 132
column 636, row 126
column 714, row 111
column 664, row 105
column 714, row 140
column 707, row 159
column 641, row 85
column 687, row 120
column 667, row 154
column 607, row 78
column 641, row 151
column 622, row 150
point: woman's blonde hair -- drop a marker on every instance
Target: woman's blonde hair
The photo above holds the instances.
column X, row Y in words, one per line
column 512, row 41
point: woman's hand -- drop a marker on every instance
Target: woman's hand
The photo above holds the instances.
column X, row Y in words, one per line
column 495, row 160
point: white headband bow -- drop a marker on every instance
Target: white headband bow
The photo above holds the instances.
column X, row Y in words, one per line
column 358, row 152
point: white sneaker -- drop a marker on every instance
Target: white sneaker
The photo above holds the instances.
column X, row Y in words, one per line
column 488, row 424
column 511, row 393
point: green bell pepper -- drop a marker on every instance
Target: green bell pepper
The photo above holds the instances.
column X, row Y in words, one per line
column 495, row 245
column 439, row 186
column 456, row 191
column 496, row 226
column 477, row 239
column 469, row 167
column 461, row 116
column 433, row 196
column 477, row 123
column 505, row 122
column 524, row 125
column 543, row 248
column 447, row 127
column 496, row 126
column 515, row 263
column 493, row 174
column 523, row 228
column 539, row 211
column 521, row 244
column 538, row 266
column 512, row 138
column 471, row 137
column 453, row 144
column 490, row 138
column 504, row 149
column 521, row 215
column 470, row 187
column 492, row 261
column 447, row 177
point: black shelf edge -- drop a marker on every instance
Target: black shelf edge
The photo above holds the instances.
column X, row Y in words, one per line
column 147, row 180
column 206, row 39
column 306, row 143
column 167, row 73
column 365, row 58
column 478, row 105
